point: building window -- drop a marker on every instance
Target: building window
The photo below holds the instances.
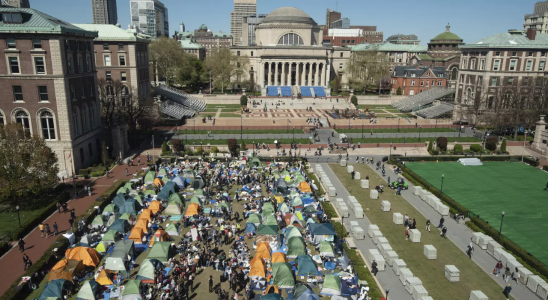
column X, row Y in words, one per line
column 88, row 63
column 530, row 53
column 238, row 53
column 14, row 64
column 14, row 17
column 91, row 88
column 85, row 120
column 39, row 65
column 48, row 125
column 92, row 115
column 439, row 82
column 541, row 66
column 251, row 53
column 122, row 59
column 528, row 66
column 497, row 53
column 10, row 43
column 412, row 92
column 525, row 81
column 43, row 93
column 510, row 80
column 472, row 64
column 22, row 118
column 82, row 155
column 105, row 46
column 83, row 90
column 490, row 102
column 514, row 53
column 90, row 150
column 109, row 75
column 512, row 65
column 72, row 92
column 427, row 83
column 75, row 122
column 494, row 81
column 17, row 93
column 70, row 64
column 107, row 60
column 291, row 39
column 123, row 76
column 37, row 44
column 496, row 65
column 120, row 47
column 412, row 82
column 464, row 63
column 80, row 65
column 482, row 64
column 422, row 83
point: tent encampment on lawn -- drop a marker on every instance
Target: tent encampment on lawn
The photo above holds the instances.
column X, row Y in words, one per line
column 272, row 296
column 291, row 219
column 90, row 290
column 120, row 226
column 270, row 220
column 307, row 266
column 197, row 183
column 111, row 208
column 66, row 269
column 145, row 214
column 158, row 182
column 249, row 227
column 263, row 250
column 258, row 268
column 267, row 230
column 177, row 198
column 161, row 251
column 322, row 231
column 254, row 163
column 192, row 210
column 131, row 206
column 105, row 277
column 173, row 208
column 111, row 236
column 278, row 257
column 254, row 218
column 304, row 187
column 89, row 256
column 196, row 200
column 149, row 177
column 132, row 290
column 55, row 289
column 281, row 186
column 283, row 276
column 136, row 235
column 148, row 268
column 179, row 181
column 155, row 206
column 326, row 249
column 124, row 248
column 98, row 221
column 115, row 264
column 199, row 192
column 268, row 208
column 173, row 229
column 283, row 208
column 159, row 236
column 331, row 285
column 302, row 291
column 279, row 199
column 291, row 232
column 101, row 247
column 295, row 246
column 297, row 201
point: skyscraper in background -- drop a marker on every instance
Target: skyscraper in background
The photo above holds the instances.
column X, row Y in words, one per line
column 242, row 8
column 17, row 3
column 150, row 17
column 104, row 12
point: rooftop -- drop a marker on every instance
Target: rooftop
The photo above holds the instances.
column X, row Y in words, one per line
column 109, row 32
column 389, row 47
column 188, row 44
column 508, row 40
column 288, row 14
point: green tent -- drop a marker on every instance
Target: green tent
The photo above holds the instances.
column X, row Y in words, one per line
column 174, row 208
column 326, row 249
column 147, row 269
column 165, row 179
column 122, row 190
column 283, row 207
column 173, row 229
column 331, row 285
column 307, row 266
column 149, row 192
column 291, row 232
column 111, row 236
column 162, row 172
column 310, row 210
column 297, row 201
column 303, row 291
column 125, row 216
column 196, row 200
column 225, row 205
column 268, row 207
column 283, row 275
column 254, row 218
column 284, row 173
column 273, row 296
column 161, row 251
column 120, row 226
column 139, row 199
column 254, row 163
column 89, row 290
column 149, row 177
column 267, row 230
column 115, row 264
column 111, row 208
column 54, row 289
column 132, row 287
column 124, row 248
column 99, row 220
column 199, row 192
column 177, row 198
column 270, row 220
column 164, row 194
column 295, row 246
column 128, row 186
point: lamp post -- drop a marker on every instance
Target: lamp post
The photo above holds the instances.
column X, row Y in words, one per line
column 386, row 293
column 420, row 129
column 501, row 219
column 194, row 125
column 342, row 230
column 390, row 156
column 18, row 217
column 241, row 127
column 399, row 124
column 442, row 176
column 253, row 148
column 186, row 133
column 293, row 134
column 362, row 131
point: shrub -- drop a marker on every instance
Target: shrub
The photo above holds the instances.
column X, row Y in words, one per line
column 457, row 149
column 214, row 150
column 165, row 148
column 354, row 100
column 231, row 143
column 442, row 143
column 243, row 100
column 503, row 146
column 475, row 147
column 177, row 145
column 200, row 151
column 398, row 91
column 491, row 143
column 243, row 146
column 430, row 146
column 83, row 172
column 545, row 168
column 435, row 152
column 189, row 152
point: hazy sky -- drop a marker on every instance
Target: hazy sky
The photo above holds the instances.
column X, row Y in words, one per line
column 470, row 19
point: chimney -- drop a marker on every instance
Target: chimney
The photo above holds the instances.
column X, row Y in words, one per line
column 531, row 34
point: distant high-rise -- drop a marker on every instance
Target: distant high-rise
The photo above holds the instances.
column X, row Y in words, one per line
column 104, row 12
column 330, row 17
column 17, row 3
column 150, row 17
column 539, row 19
column 248, row 29
column 242, row 8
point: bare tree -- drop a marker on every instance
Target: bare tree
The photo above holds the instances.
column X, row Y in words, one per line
column 474, row 108
column 367, row 69
column 226, row 67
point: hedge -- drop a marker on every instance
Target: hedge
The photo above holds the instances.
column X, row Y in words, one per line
column 545, row 168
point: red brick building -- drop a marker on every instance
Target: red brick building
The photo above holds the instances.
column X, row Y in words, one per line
column 416, row 79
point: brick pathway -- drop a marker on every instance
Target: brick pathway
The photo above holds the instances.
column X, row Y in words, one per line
column 35, row 245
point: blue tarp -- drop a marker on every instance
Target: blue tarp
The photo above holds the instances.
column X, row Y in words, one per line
column 250, row 227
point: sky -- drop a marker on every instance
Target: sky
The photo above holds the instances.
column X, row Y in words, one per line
column 472, row 20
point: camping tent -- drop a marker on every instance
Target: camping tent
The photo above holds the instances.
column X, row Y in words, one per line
column 132, row 290
column 143, row 224
column 145, row 214
column 254, row 163
column 278, row 257
column 149, row 192
column 158, row 182
column 188, row 175
column 196, row 200
column 85, row 241
column 249, row 227
column 66, row 269
column 258, row 268
column 124, row 248
column 149, row 177
column 302, row 291
column 291, row 232
column 115, row 264
column 263, row 250
column 271, row 289
column 197, row 183
column 307, row 266
column 155, row 206
column 192, row 210
column 179, row 181
column 159, row 236
column 283, row 275
column 136, row 235
column 295, row 246
column 122, row 190
column 101, row 247
column 104, row 277
column 162, row 172
column 326, row 249
column 270, row 220
column 165, row 179
column 268, row 208
column 55, row 289
column 283, row 208
column 127, row 216
column 161, row 251
column 173, row 229
column 199, row 192
column 111, row 208
column 267, row 230
column 322, row 231
column 177, row 198
column 139, row 199
column 225, row 205
column 88, row 256
column 254, row 218
column 173, row 208
column 164, row 194
column 291, row 219
column 90, row 290
column 281, row 186
column 120, row 226
column 297, row 201
column 171, row 186
column 148, row 267
column 309, row 209
column 331, row 285
column 272, row 296
column 111, row 236
column 304, row 187
column 131, row 206
column 279, row 199
column 99, row 221
column 119, row 200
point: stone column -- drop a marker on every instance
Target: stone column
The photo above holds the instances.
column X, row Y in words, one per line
column 297, row 71
column 282, row 82
column 327, row 74
column 276, row 66
column 303, row 75
column 310, row 74
column 290, row 65
column 317, row 75
column 539, row 130
column 269, row 78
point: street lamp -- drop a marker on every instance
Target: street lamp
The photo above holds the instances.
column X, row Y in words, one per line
column 390, row 156
column 342, row 230
column 399, row 124
column 442, row 176
column 293, row 134
column 186, row 132
column 501, row 219
column 420, row 129
column 253, row 148
column 194, row 125
column 18, row 217
column 241, row 127
column 386, row 293
column 362, row 131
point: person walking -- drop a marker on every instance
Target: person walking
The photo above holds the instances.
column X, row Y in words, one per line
column 138, row 161
column 210, row 283
column 21, row 244
column 444, row 232
column 498, row 267
column 441, row 223
column 89, row 191
column 506, row 291
column 191, row 283
column 353, row 174
column 469, row 251
column 58, row 207
column 507, row 274
column 127, row 172
column 26, row 260
column 71, row 222
column 47, row 230
column 107, row 172
column 41, row 228
column 428, row 225
column 55, row 229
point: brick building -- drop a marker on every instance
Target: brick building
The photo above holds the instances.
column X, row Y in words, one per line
column 206, row 38
column 416, row 79
column 50, row 85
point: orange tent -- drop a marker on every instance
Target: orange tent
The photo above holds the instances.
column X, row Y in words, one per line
column 263, row 250
column 192, row 210
column 136, row 235
column 158, row 182
column 278, row 257
column 159, row 236
column 258, row 267
column 104, row 277
column 141, row 223
column 145, row 214
column 155, row 206
column 88, row 256
column 65, row 269
column 271, row 289
column 304, row 187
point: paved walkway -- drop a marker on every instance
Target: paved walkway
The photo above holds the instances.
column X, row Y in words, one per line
column 35, row 246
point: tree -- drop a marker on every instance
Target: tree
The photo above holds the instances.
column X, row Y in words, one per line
column 367, row 69
column 225, row 65
column 165, row 148
column 354, row 100
column 399, row 91
column 503, row 146
column 457, row 149
column 243, row 100
column 177, row 145
column 232, row 145
column 192, row 73
column 243, row 146
column 442, row 143
column 430, row 146
column 491, row 143
column 167, row 57
column 29, row 166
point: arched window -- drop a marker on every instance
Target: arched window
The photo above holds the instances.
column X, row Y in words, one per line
column 454, row 73
column 22, row 118
column 291, row 39
column 92, row 115
column 469, row 96
column 85, row 125
column 75, row 122
column 48, row 125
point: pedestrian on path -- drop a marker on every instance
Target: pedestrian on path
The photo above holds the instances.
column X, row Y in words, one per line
column 406, row 233
column 47, row 231
column 506, row 291
column 58, row 207
column 441, row 223
column 55, row 229
column 138, row 161
column 89, row 191
column 126, row 172
column 353, row 174
column 41, row 227
column 498, row 267
column 507, row 274
column 210, row 283
column 71, row 222
column 444, row 232
column 26, row 260
column 428, row 225
column 107, row 172
column 469, row 251
column 21, row 244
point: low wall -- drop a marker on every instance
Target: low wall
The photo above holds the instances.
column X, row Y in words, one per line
column 379, row 100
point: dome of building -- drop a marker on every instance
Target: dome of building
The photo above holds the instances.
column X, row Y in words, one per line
column 203, row 27
column 288, row 15
column 447, row 35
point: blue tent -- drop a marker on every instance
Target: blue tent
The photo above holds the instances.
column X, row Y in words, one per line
column 164, row 194
column 250, row 227
column 321, row 229
column 179, row 181
column 171, row 186
column 131, row 206
column 55, row 289
column 120, row 225
column 119, row 200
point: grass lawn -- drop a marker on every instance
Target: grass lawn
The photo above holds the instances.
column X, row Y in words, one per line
column 249, row 142
column 515, row 188
column 214, row 110
column 238, row 106
column 245, row 131
column 9, row 221
column 430, row 272
column 228, row 115
column 411, row 139
column 229, row 110
column 393, row 130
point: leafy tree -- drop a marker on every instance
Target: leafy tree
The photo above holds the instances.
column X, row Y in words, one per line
column 503, row 146
column 192, row 73
column 214, row 149
column 442, row 143
column 225, row 65
column 366, row 69
column 29, row 166
column 165, row 148
column 243, row 146
column 232, row 145
column 243, row 100
column 491, row 143
column 399, row 91
column 354, row 100
column 430, row 146
column 475, row 147
column 200, row 151
column 178, row 145
column 457, row 149
column 167, row 57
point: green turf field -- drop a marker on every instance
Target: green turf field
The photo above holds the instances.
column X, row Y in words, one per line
column 515, row 188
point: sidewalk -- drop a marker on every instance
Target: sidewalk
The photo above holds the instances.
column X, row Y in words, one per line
column 35, row 245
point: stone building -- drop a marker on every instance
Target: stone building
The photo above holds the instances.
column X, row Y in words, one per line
column 397, row 54
column 538, row 19
column 289, row 54
column 49, row 81
column 193, row 48
column 208, row 39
